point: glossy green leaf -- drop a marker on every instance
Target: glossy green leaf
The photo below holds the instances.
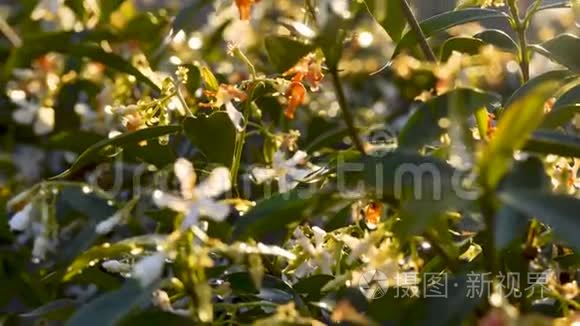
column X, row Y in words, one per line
column 110, row 308
column 98, row 253
column 76, row 142
column 424, row 127
column 214, row 135
column 389, row 15
column 560, row 50
column 524, row 112
column 153, row 318
column 557, row 4
column 77, row 45
column 311, row 286
column 558, row 211
column 460, row 44
column 55, row 310
column 113, row 146
column 209, row 79
column 499, row 39
column 511, row 224
column 285, row 52
column 441, row 22
column 457, row 303
column 564, row 110
column 192, row 16
column 553, row 142
column 275, row 213
column 331, row 39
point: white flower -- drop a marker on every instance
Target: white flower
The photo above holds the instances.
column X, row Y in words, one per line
column 197, row 200
column 28, row 111
column 115, row 266
column 225, row 95
column 107, row 225
column 149, row 269
column 25, row 113
column 21, row 220
column 320, row 256
column 46, row 9
column 284, row 171
column 161, row 300
column 44, row 123
column 41, row 246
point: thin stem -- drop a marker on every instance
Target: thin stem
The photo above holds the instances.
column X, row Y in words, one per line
column 490, row 255
column 239, row 146
column 10, row 34
column 179, row 95
column 348, row 118
column 416, row 28
column 520, row 28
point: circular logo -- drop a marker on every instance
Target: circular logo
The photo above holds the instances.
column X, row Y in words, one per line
column 373, row 284
column 382, row 140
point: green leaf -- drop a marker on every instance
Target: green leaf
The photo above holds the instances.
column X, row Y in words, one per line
column 209, row 79
column 214, row 135
column 97, row 253
column 423, row 126
column 58, row 309
column 459, row 301
column 73, row 141
column 285, row 52
column 499, row 39
column 157, row 318
column 424, row 187
column 558, row 211
column 558, row 4
column 76, row 45
column 553, row 142
column 274, row 214
column 524, row 112
column 389, row 15
column 331, row 39
column 511, row 224
column 561, row 49
column 113, row 146
column 441, row 22
column 110, row 308
column 460, row 44
column 311, row 286
column 564, row 110
column 193, row 16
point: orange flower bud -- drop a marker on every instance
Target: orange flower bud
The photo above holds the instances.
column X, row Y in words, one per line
column 295, row 95
column 373, row 213
column 245, row 8
column 490, row 125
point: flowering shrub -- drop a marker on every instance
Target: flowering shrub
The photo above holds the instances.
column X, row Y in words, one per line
column 289, row 162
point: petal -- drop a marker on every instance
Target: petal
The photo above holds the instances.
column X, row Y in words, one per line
column 298, row 174
column 235, row 115
column 279, row 159
column 106, row 226
column 175, row 203
column 215, row 184
column 21, row 220
column 24, row 115
column 262, row 175
column 297, row 158
column 284, row 184
column 192, row 216
column 215, row 210
column 44, row 121
column 149, row 269
column 185, row 173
